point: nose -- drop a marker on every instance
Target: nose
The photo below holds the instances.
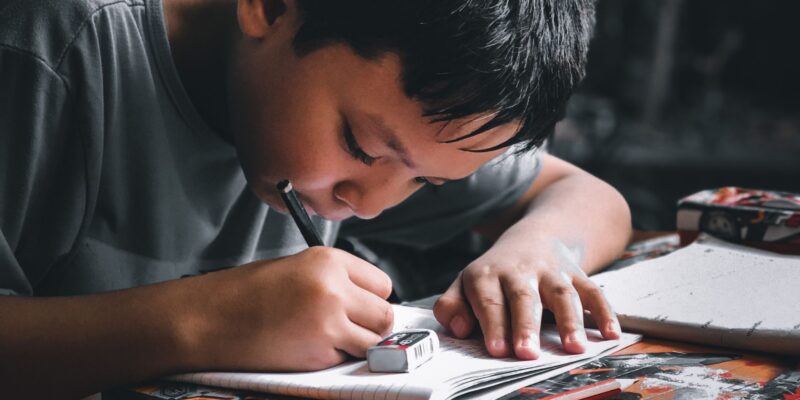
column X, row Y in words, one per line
column 369, row 197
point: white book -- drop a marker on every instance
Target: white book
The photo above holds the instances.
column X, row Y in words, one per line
column 460, row 367
column 712, row 292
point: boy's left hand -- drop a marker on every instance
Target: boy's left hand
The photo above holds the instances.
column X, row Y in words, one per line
column 506, row 289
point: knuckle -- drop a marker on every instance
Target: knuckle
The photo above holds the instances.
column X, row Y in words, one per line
column 490, row 302
column 477, row 272
column 329, row 332
column 322, row 291
column 562, row 290
column 317, row 252
column 594, row 291
column 521, row 295
column 324, row 255
column 446, row 302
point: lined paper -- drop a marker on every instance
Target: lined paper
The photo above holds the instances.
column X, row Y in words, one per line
column 458, row 367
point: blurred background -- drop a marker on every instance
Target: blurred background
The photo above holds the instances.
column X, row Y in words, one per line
column 687, row 95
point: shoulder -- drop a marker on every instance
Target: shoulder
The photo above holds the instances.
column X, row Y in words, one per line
column 45, row 29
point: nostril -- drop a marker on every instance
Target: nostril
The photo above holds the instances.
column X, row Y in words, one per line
column 362, row 205
column 339, row 195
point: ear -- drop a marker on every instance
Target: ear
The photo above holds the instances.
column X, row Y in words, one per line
column 260, row 18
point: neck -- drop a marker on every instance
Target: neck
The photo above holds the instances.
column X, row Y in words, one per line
column 201, row 34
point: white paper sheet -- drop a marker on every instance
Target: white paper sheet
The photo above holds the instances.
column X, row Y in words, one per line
column 712, row 292
column 457, row 367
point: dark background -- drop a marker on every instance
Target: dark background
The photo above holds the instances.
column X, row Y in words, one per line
column 686, row 95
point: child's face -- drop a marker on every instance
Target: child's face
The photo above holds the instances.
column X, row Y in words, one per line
column 290, row 115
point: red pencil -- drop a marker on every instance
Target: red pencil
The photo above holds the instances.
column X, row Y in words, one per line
column 596, row 391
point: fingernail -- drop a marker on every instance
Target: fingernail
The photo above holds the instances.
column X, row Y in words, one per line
column 575, row 337
column 531, row 343
column 458, row 325
column 613, row 327
column 534, row 341
column 499, row 345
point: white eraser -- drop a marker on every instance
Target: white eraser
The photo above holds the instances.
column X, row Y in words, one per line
column 403, row 351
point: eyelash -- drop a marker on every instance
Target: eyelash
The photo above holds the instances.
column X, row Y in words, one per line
column 359, row 154
column 422, row 180
column 353, row 148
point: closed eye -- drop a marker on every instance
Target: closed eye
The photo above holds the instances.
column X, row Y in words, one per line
column 422, row 180
column 352, row 146
column 431, row 181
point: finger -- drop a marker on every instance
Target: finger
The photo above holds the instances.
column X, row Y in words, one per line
column 486, row 298
column 369, row 311
column 368, row 277
column 453, row 311
column 355, row 340
column 593, row 299
column 319, row 360
column 526, row 315
column 562, row 298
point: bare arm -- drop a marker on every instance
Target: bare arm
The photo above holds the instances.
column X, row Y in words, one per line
column 304, row 312
column 567, row 203
column 568, row 224
column 68, row 347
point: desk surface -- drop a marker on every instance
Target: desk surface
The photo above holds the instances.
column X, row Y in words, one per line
column 662, row 369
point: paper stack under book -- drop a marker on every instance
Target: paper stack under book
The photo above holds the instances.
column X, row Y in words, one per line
column 461, row 367
column 712, row 292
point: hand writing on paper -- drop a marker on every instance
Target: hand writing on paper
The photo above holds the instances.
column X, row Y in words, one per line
column 298, row 313
column 506, row 289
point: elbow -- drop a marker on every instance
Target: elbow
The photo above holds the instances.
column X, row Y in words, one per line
column 622, row 214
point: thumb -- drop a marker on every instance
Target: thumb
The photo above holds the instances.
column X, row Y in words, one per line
column 453, row 311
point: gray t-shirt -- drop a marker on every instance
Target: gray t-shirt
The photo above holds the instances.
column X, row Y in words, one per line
column 109, row 178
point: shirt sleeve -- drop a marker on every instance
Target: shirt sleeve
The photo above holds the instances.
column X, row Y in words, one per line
column 434, row 214
column 42, row 172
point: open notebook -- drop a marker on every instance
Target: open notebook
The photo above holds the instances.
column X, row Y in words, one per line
column 460, row 367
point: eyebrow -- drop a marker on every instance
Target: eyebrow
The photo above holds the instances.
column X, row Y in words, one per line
column 390, row 137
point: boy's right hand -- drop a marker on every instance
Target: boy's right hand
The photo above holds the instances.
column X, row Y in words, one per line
column 303, row 312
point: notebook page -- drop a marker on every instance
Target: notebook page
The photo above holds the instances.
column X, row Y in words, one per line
column 457, row 363
column 712, row 292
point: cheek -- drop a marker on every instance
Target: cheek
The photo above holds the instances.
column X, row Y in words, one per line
column 314, row 163
column 279, row 140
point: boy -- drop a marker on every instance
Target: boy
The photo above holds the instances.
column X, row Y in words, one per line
column 141, row 141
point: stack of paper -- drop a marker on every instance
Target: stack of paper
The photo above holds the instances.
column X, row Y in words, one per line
column 712, row 292
column 460, row 367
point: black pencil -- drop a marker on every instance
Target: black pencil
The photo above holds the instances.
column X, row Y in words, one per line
column 299, row 214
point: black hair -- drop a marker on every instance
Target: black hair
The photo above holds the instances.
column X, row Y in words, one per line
column 516, row 60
